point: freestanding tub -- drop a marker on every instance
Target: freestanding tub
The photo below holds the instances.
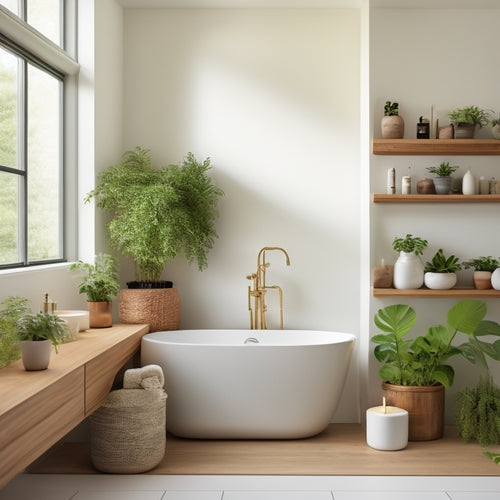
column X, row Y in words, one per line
column 249, row 384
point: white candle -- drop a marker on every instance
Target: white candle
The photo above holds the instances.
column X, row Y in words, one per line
column 387, row 427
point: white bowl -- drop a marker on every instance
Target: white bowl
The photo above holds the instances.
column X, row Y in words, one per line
column 78, row 321
column 440, row 281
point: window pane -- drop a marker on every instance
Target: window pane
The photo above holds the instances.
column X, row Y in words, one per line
column 12, row 5
column 44, row 211
column 9, row 218
column 8, row 109
column 45, row 16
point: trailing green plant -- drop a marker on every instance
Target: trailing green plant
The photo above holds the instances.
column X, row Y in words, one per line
column 442, row 264
column 470, row 114
column 391, row 108
column 41, row 326
column 11, row 309
column 444, row 169
column 100, row 280
column 423, row 361
column 409, row 244
column 158, row 213
column 482, row 263
column 477, row 413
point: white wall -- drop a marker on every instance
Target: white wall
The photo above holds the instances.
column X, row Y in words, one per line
column 272, row 96
column 423, row 60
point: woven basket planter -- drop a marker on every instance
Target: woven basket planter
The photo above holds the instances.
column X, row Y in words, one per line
column 127, row 433
column 160, row 308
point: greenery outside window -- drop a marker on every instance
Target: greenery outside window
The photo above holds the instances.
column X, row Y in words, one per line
column 32, row 115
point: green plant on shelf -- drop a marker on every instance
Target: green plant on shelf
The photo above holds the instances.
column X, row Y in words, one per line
column 482, row 263
column 441, row 264
column 391, row 108
column 444, row 169
column 471, row 115
column 409, row 244
column 11, row 309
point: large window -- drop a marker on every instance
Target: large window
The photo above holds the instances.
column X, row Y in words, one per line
column 32, row 155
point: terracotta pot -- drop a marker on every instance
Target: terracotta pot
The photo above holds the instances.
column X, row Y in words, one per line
column 100, row 314
column 393, row 127
column 36, row 354
column 160, row 308
column 482, row 280
column 425, row 406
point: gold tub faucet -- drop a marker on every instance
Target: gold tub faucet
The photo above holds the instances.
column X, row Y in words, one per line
column 257, row 292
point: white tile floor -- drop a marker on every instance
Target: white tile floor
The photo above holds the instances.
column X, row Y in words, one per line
column 149, row 487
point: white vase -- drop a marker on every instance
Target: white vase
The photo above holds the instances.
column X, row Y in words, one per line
column 496, row 131
column 440, row 281
column 408, row 271
column 495, row 279
column 468, row 184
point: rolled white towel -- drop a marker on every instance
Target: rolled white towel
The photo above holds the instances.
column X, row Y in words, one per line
column 133, row 378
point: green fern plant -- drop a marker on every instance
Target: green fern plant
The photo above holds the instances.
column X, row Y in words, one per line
column 41, row 326
column 477, row 413
column 11, row 309
column 158, row 213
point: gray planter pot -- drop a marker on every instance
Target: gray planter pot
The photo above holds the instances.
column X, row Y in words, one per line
column 464, row 130
column 36, row 354
column 442, row 184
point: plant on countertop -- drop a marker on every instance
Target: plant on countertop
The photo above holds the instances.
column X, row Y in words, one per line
column 441, row 264
column 41, row 326
column 11, row 309
column 158, row 213
column 444, row 169
column 471, row 115
column 423, row 361
column 409, row 244
column 391, row 108
column 100, row 280
column 482, row 263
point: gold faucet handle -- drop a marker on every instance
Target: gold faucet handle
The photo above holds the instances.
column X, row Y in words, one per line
column 252, row 276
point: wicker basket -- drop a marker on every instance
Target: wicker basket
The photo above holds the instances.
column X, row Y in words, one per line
column 128, row 432
column 160, row 308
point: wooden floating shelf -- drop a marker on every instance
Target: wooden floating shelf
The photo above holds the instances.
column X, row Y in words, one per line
column 436, row 147
column 435, row 198
column 428, row 293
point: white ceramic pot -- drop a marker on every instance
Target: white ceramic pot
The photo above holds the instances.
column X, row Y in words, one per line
column 496, row 131
column 468, row 184
column 495, row 279
column 408, row 271
column 36, row 354
column 440, row 281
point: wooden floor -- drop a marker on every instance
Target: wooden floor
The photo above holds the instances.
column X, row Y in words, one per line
column 340, row 450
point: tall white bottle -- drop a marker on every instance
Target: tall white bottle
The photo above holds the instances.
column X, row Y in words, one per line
column 468, row 183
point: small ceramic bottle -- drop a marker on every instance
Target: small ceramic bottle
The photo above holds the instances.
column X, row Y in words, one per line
column 468, row 184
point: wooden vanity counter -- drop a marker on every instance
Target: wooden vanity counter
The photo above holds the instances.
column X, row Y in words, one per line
column 39, row 408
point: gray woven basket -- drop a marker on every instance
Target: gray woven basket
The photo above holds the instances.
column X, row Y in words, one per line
column 127, row 433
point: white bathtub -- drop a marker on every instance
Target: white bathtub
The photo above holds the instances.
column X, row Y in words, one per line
column 286, row 386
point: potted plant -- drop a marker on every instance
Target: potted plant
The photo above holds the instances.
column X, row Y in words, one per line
column 416, row 372
column 442, row 181
column 100, row 283
column 393, row 125
column 495, row 128
column 11, row 309
column 440, row 272
column 465, row 120
column 157, row 214
column 408, row 269
column 37, row 332
column 483, row 269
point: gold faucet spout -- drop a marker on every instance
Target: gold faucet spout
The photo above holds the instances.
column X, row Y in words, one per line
column 258, row 311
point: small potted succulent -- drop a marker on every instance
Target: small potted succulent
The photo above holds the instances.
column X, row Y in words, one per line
column 440, row 272
column 100, row 283
column 408, row 269
column 37, row 332
column 465, row 120
column 442, row 181
column 393, row 126
column 483, row 269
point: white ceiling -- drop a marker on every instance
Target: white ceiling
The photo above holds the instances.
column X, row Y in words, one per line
column 308, row 4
